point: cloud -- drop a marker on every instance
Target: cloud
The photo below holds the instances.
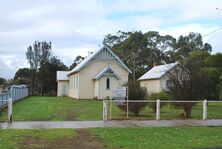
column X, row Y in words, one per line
column 76, row 27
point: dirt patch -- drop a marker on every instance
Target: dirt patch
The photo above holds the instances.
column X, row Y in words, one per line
column 83, row 140
column 72, row 114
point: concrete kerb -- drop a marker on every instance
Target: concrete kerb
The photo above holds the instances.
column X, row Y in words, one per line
column 113, row 123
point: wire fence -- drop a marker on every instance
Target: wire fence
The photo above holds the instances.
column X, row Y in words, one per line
column 168, row 110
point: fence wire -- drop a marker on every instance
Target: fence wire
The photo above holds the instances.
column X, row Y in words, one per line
column 169, row 110
column 214, row 110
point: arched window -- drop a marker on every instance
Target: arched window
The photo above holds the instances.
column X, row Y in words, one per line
column 107, row 84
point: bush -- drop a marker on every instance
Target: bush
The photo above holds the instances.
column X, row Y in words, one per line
column 161, row 96
column 135, row 93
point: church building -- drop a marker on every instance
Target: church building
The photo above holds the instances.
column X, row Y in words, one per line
column 95, row 77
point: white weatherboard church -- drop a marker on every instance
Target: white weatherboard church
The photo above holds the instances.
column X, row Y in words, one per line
column 95, row 77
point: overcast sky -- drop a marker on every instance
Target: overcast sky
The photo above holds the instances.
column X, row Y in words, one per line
column 78, row 26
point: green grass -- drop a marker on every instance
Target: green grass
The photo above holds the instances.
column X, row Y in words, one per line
column 12, row 139
column 54, row 109
column 64, row 108
column 125, row 138
column 160, row 138
column 168, row 112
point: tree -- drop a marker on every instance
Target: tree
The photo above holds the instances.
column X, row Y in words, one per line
column 187, row 44
column 47, row 76
column 77, row 60
column 215, row 62
column 141, row 51
column 37, row 55
column 190, row 82
column 135, row 93
column 111, row 40
column 23, row 76
column 3, row 82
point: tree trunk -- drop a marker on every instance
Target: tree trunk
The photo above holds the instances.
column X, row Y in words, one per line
column 134, row 70
column 187, row 110
column 136, row 113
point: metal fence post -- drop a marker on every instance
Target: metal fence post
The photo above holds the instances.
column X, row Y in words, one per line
column 157, row 109
column 10, row 110
column 204, row 109
column 104, row 109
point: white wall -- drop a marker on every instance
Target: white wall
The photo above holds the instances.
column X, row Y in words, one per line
column 86, row 75
column 152, row 86
column 60, row 85
column 103, row 92
column 74, row 85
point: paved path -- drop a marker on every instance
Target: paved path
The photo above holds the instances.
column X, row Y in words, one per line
column 102, row 124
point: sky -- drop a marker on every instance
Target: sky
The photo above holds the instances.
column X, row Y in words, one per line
column 76, row 27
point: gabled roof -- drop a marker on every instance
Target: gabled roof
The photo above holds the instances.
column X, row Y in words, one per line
column 88, row 59
column 158, row 71
column 62, row 75
column 104, row 71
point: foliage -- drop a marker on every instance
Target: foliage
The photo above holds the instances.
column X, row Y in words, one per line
column 38, row 54
column 190, row 43
column 77, row 60
column 193, row 81
column 47, row 76
column 41, row 77
column 140, row 51
column 161, row 96
column 3, row 82
column 135, row 93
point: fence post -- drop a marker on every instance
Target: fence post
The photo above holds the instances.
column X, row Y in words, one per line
column 104, row 109
column 10, row 110
column 127, row 104
column 204, row 109
column 157, row 109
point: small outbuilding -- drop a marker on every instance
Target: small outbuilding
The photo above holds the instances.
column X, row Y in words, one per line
column 157, row 79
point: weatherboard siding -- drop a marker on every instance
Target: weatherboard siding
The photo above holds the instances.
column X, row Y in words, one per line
column 60, row 85
column 152, row 86
column 74, row 85
column 107, row 92
column 86, row 75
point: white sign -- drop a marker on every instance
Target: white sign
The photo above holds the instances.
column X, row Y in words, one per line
column 119, row 92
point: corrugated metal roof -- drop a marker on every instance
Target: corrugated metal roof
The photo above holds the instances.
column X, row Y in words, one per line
column 158, row 71
column 62, row 75
column 91, row 56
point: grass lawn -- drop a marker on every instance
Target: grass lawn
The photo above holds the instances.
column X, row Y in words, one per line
column 53, row 108
column 168, row 112
column 64, row 108
column 116, row 138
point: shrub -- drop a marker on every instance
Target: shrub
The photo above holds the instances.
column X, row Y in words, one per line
column 135, row 93
column 161, row 96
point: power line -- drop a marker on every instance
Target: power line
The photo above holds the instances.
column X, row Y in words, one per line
column 212, row 32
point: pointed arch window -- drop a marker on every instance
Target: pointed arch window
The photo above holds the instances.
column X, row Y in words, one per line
column 107, row 83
